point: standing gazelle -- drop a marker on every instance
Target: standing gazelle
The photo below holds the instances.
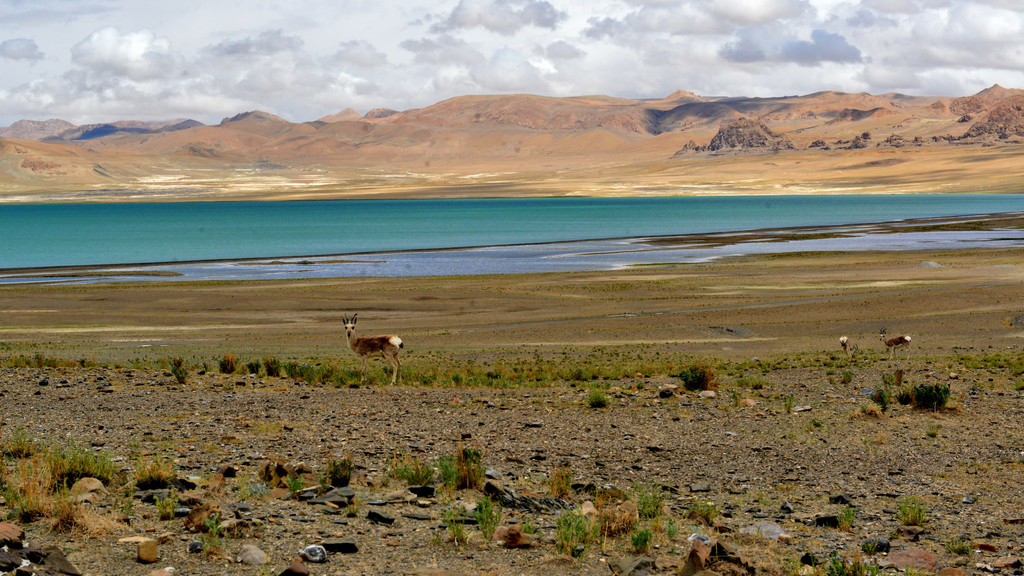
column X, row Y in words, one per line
column 894, row 342
column 366, row 346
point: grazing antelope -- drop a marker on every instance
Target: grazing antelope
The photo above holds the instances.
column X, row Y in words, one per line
column 848, row 347
column 366, row 346
column 894, row 342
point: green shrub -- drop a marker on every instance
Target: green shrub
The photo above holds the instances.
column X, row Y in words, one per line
column 597, row 399
column 931, row 396
column 641, row 539
column 179, row 370
column 253, row 366
column 704, row 511
column 698, row 377
column 153, row 474
column 845, row 517
column 488, row 516
column 469, row 467
column 165, row 506
column 959, row 547
column 882, row 397
column 838, row 566
column 453, row 520
column 649, row 500
column 574, row 532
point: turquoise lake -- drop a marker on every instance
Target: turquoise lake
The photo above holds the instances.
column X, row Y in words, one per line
column 50, row 235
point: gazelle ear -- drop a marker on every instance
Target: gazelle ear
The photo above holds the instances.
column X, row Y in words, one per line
column 345, row 318
column 354, row 317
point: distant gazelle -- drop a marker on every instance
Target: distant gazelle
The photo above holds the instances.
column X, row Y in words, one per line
column 849, row 347
column 895, row 342
column 366, row 346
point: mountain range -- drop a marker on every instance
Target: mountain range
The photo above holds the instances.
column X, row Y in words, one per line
column 825, row 142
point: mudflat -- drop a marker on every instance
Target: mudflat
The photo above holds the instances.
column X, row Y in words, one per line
column 793, row 437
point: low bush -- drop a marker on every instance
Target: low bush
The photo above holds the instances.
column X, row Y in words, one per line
column 698, row 377
column 574, row 533
column 229, row 364
column 931, row 396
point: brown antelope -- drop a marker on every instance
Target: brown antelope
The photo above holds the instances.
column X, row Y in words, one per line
column 849, row 347
column 894, row 342
column 366, row 346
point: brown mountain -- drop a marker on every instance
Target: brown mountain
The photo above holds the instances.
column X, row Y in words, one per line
column 527, row 144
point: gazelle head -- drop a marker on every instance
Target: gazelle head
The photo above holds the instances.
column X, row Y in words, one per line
column 881, row 334
column 350, row 324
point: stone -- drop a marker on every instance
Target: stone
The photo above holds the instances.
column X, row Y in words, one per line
column 912, row 533
column 588, row 509
column 985, row 547
column 1006, row 563
column 710, row 394
column 668, row 391
column 314, row 553
column 840, row 499
column 216, row 484
column 698, row 559
column 9, row 561
column 700, row 487
column 87, row 490
column 422, row 491
column 827, row 521
column 251, row 556
column 10, row 535
column 514, row 537
column 147, row 551
column 296, row 569
column 341, row 546
column 197, row 517
column 54, row 558
column 951, row 571
column 638, row 566
column 765, row 529
column 338, row 496
column 915, row 558
column 876, row 544
column 378, row 518
column 195, row 547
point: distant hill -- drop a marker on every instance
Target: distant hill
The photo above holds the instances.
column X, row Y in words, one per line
column 465, row 145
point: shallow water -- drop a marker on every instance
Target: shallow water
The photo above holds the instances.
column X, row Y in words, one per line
column 47, row 235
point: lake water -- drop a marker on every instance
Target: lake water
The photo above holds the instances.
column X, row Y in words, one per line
column 503, row 233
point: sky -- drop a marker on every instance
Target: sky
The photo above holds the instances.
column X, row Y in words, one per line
column 90, row 61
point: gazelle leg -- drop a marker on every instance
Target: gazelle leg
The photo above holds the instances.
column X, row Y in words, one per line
column 396, row 376
column 363, row 377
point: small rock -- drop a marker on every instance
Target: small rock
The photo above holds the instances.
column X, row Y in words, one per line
column 588, row 509
column 764, row 529
column 707, row 394
column 251, row 556
column 915, row 558
column 147, row 551
column 638, row 566
column 53, row 557
column 950, row 571
column 827, row 521
column 87, row 490
column 841, row 499
column 423, row 491
column 699, row 557
column 195, row 547
column 296, row 569
column 1006, row 563
column 10, row 535
column 341, row 546
column 314, row 553
column 700, row 487
column 377, row 517
column 787, row 507
column 876, row 544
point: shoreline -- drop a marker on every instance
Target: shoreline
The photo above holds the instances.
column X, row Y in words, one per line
column 600, row 246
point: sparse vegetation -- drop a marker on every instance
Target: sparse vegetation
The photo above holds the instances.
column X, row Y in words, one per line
column 153, row 473
column 413, row 471
column 910, row 511
column 931, row 396
column 229, row 364
column 179, row 370
column 560, row 482
column 641, row 540
column 488, row 516
column 574, row 533
column 597, row 398
column 337, row 472
column 650, row 500
column 698, row 377
column 704, row 511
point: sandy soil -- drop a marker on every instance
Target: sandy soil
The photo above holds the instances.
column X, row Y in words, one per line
column 745, row 447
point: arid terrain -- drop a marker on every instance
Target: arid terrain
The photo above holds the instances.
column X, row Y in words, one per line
column 795, row 438
column 517, row 145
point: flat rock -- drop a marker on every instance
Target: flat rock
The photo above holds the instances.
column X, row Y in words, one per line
column 915, row 558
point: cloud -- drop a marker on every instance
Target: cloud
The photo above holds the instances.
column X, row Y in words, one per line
column 562, row 50
column 761, row 45
column 502, row 16
column 136, row 55
column 361, row 53
column 443, row 50
column 20, row 49
column 823, row 47
column 757, row 12
column 266, row 43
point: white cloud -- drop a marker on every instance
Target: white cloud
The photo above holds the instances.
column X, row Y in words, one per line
column 135, row 55
column 20, row 49
column 502, row 16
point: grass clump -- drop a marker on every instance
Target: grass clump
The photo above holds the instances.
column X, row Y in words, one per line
column 337, row 473
column 931, row 396
column 597, row 398
column 910, row 511
column 272, row 366
column 179, row 370
column 165, row 506
column 698, row 377
column 839, row 566
column 704, row 511
column 461, row 470
column 456, row 530
column 574, row 533
column 19, row 445
column 650, row 500
column 70, row 462
column 414, row 472
column 488, row 516
column 641, row 540
column 845, row 518
column 153, row 474
column 959, row 547
column 560, row 482
column 229, row 364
